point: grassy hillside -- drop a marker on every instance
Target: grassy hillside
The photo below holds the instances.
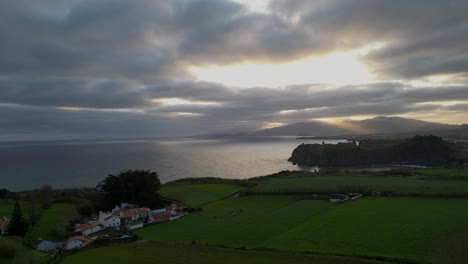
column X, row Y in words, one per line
column 6, row 208
column 396, row 185
column 198, row 194
column 392, row 227
column 12, row 251
column 51, row 225
column 237, row 222
column 148, row 252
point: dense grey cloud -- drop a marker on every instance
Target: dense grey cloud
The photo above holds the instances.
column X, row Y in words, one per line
column 67, row 92
column 155, row 39
column 420, row 38
column 235, row 108
column 82, row 68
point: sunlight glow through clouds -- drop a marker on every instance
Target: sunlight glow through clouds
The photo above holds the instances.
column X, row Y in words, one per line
column 260, row 6
column 268, row 125
column 178, row 101
column 117, row 110
column 443, row 103
column 343, row 68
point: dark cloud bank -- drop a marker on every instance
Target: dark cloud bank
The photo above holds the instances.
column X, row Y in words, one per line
column 84, row 69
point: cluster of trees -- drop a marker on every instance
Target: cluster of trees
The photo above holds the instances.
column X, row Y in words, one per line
column 420, row 150
column 140, row 187
column 4, row 193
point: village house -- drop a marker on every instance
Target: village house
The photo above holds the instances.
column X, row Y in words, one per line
column 49, row 246
column 87, row 229
column 128, row 216
column 77, row 242
column 4, row 224
column 160, row 217
column 176, row 208
column 107, row 219
column 135, row 224
column 169, row 213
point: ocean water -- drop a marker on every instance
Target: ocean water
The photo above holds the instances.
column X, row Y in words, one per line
column 77, row 164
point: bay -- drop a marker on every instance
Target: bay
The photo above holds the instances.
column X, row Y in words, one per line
column 28, row 165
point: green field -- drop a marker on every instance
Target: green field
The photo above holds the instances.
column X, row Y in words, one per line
column 149, row 252
column 52, row 222
column 392, row 227
column 237, row 222
column 446, row 173
column 12, row 251
column 6, row 208
column 331, row 183
column 198, row 194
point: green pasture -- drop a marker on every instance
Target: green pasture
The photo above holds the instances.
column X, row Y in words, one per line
column 51, row 225
column 395, row 184
column 198, row 194
column 13, row 251
column 237, row 222
column 6, row 208
column 396, row 227
column 445, row 173
column 150, row 252
column 390, row 227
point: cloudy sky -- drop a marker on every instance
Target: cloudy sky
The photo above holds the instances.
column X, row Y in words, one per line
column 119, row 68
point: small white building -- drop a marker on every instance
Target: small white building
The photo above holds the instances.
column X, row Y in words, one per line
column 109, row 220
column 135, row 224
column 77, row 242
column 123, row 215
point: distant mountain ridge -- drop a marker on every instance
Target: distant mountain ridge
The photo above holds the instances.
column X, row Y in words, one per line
column 377, row 125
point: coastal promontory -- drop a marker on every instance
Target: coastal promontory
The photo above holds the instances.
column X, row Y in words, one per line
column 419, row 150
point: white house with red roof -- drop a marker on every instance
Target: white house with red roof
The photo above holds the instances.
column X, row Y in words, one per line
column 169, row 213
column 87, row 229
column 107, row 219
column 160, row 217
column 77, row 242
column 129, row 215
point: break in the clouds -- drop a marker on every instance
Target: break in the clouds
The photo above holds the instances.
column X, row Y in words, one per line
column 117, row 68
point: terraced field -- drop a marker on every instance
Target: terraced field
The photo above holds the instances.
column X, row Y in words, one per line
column 198, row 194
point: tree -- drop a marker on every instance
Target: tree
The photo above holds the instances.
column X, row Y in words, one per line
column 139, row 187
column 4, row 193
column 18, row 225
